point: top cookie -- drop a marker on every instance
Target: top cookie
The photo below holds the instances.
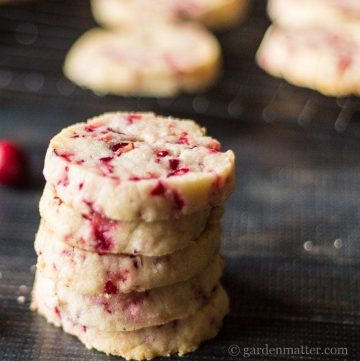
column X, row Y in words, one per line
column 139, row 166
column 212, row 13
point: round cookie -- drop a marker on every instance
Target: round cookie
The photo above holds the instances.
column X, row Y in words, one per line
column 96, row 274
column 112, row 311
column 333, row 15
column 214, row 14
column 312, row 58
column 179, row 336
column 157, row 60
column 90, row 230
column 139, row 166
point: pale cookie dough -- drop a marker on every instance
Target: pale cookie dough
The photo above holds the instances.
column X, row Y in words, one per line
column 179, row 336
column 335, row 15
column 312, row 58
column 130, row 311
column 129, row 13
column 153, row 60
column 139, row 166
column 90, row 273
column 90, row 230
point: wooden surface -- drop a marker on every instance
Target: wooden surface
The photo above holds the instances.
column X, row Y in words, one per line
column 291, row 230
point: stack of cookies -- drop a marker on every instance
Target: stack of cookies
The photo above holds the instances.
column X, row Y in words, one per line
column 315, row 44
column 128, row 245
column 149, row 47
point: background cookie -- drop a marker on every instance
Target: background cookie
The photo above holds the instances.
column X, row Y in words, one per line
column 312, row 58
column 153, row 60
column 212, row 13
column 334, row 15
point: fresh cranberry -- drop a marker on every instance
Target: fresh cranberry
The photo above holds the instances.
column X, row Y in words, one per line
column 174, row 164
column 12, row 163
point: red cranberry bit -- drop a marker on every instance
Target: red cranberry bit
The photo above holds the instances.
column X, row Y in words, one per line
column 57, row 312
column 131, row 118
column 81, row 185
column 174, row 164
column 66, row 155
column 100, row 226
column 105, row 166
column 117, row 146
column 179, row 172
column 162, row 153
column 120, row 148
column 344, row 63
column 135, row 179
column 214, row 146
column 110, row 288
column 158, row 190
column 183, row 139
column 64, row 181
column 12, row 163
column 179, row 202
column 91, row 127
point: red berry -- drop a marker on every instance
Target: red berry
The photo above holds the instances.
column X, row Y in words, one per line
column 12, row 163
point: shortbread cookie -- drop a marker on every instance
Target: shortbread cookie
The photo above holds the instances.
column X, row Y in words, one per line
column 179, row 336
column 129, row 13
column 90, row 273
column 335, row 15
column 139, row 166
column 92, row 231
column 113, row 311
column 154, row 60
column 312, row 58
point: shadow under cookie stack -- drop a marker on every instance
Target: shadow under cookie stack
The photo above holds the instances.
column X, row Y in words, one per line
column 128, row 245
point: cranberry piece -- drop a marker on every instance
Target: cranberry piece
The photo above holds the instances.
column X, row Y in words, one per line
column 110, row 288
column 117, row 146
column 158, row 190
column 131, row 118
column 57, row 312
column 174, row 164
column 12, row 163
column 67, row 156
column 183, row 139
column 179, row 172
column 162, row 153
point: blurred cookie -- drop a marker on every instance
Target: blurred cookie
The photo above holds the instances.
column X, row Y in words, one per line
column 128, row 13
column 157, row 60
column 313, row 58
column 334, row 15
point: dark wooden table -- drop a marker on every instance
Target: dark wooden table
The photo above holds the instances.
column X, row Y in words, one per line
column 291, row 230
